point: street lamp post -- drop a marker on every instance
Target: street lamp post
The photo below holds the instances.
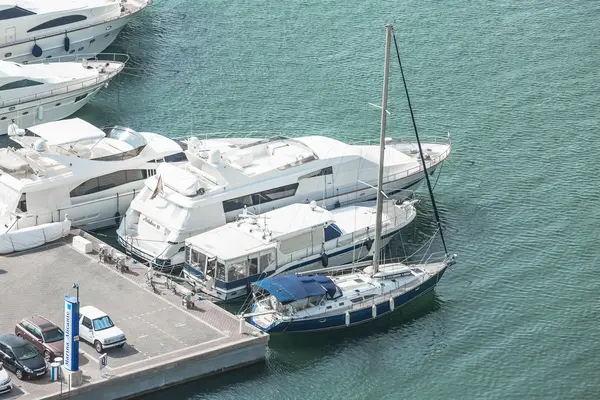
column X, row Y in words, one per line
column 76, row 286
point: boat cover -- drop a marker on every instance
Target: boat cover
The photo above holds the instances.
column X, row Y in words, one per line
column 287, row 288
column 28, row 238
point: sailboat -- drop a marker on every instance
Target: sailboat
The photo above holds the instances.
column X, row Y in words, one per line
column 312, row 301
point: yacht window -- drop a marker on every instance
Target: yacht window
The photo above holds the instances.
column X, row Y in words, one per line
column 108, row 181
column 176, row 157
column 252, row 266
column 321, row 172
column 237, row 270
column 23, row 83
column 260, row 197
column 81, row 97
column 220, row 275
column 22, row 203
column 14, row 12
column 265, row 260
column 69, row 19
column 111, row 180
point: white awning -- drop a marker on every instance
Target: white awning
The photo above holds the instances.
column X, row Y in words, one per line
column 66, row 131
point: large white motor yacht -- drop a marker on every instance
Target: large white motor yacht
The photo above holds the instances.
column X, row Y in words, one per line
column 72, row 169
column 35, row 29
column 45, row 92
column 225, row 175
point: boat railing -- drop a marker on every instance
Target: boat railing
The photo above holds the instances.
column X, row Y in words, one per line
column 112, row 57
column 435, row 139
column 24, row 220
column 399, row 289
column 410, row 260
column 67, row 88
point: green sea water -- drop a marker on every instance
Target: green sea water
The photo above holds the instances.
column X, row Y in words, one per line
column 515, row 83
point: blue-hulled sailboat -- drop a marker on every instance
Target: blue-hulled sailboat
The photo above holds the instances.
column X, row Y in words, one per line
column 312, row 302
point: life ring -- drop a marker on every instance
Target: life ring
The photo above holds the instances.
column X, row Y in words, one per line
column 67, row 43
column 369, row 244
column 36, row 51
column 118, row 218
column 324, row 260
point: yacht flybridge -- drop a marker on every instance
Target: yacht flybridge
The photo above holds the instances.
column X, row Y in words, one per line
column 45, row 92
column 223, row 176
column 299, row 237
column 35, row 29
column 72, row 168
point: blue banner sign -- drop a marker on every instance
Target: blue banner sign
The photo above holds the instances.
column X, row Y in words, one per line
column 71, row 355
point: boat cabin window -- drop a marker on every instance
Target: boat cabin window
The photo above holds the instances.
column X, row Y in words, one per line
column 220, row 275
column 237, row 270
column 109, row 181
column 14, row 12
column 198, row 260
column 265, row 260
column 252, row 266
column 22, row 83
column 260, row 197
column 321, row 172
column 22, row 206
column 178, row 157
column 69, row 19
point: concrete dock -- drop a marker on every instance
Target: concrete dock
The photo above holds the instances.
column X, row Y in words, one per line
column 167, row 344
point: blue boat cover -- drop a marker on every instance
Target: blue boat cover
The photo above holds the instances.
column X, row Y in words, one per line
column 287, row 288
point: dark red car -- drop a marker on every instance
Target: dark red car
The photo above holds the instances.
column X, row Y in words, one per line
column 45, row 336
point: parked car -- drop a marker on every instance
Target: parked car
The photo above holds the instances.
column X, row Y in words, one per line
column 5, row 383
column 20, row 357
column 96, row 328
column 45, row 336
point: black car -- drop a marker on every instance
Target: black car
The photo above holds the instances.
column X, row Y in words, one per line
column 21, row 357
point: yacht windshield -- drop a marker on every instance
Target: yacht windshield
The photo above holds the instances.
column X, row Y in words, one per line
column 126, row 135
column 25, row 352
column 103, row 323
column 53, row 335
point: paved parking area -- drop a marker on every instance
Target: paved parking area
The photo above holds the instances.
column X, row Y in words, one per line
column 156, row 326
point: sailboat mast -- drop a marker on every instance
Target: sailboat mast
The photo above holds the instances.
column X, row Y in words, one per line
column 425, row 172
column 384, row 97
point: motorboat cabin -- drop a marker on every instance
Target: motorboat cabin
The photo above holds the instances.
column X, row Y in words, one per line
column 300, row 237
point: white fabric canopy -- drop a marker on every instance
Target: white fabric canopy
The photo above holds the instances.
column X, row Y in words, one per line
column 66, row 131
column 28, row 238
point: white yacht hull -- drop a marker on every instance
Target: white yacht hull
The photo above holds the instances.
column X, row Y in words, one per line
column 93, row 40
column 399, row 189
column 54, row 108
column 100, row 213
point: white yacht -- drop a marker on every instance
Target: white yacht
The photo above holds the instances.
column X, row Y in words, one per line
column 223, row 176
column 71, row 168
column 45, row 92
column 299, row 237
column 35, row 29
